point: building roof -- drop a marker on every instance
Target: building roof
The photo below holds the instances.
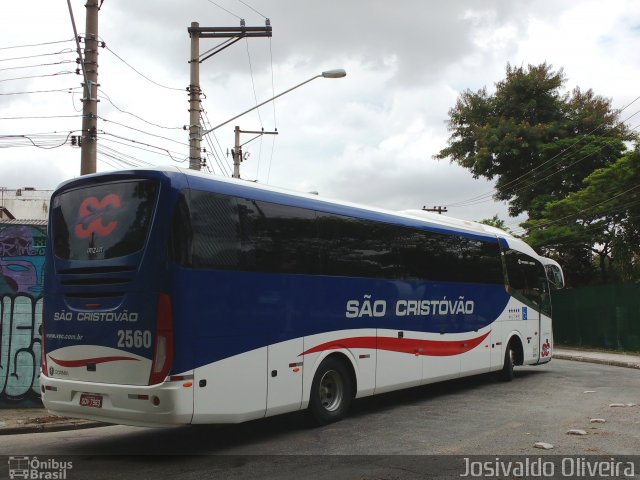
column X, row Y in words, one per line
column 17, row 221
column 4, row 212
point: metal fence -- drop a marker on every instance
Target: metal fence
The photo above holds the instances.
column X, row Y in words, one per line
column 605, row 316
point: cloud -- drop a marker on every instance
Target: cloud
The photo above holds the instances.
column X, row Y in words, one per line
column 369, row 137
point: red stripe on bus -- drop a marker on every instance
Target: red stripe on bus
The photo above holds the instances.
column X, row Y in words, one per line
column 430, row 348
column 84, row 362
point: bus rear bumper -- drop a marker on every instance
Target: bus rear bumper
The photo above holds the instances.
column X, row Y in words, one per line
column 165, row 404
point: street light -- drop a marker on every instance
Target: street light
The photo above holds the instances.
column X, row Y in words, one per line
column 338, row 73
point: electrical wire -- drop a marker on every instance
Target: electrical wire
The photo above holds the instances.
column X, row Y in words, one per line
column 137, row 143
column 28, row 137
column 41, row 117
column 66, row 90
column 142, row 131
column 61, row 52
column 218, row 158
column 140, row 73
column 68, row 72
column 62, row 62
column 526, row 175
column 246, row 4
column 36, row 44
column 106, row 97
column 222, row 8
column 590, row 208
column 484, row 199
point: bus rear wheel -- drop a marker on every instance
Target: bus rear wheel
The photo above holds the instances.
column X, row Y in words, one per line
column 331, row 392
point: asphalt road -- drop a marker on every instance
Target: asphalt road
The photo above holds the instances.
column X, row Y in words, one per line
column 476, row 416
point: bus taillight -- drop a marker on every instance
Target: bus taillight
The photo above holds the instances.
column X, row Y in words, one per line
column 163, row 352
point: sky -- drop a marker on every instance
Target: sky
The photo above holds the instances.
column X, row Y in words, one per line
column 369, row 137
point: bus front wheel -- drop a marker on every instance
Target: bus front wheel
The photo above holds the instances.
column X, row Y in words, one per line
column 331, row 392
column 506, row 374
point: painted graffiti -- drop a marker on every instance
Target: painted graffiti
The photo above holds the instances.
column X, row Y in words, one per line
column 21, row 280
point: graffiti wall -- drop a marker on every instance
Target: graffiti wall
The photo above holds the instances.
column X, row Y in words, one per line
column 21, row 280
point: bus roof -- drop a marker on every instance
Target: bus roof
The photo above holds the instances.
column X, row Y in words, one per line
column 414, row 217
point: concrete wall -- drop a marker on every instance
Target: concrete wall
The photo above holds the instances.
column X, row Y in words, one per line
column 21, row 281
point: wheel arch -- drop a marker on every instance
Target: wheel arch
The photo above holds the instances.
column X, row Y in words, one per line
column 342, row 355
column 516, row 343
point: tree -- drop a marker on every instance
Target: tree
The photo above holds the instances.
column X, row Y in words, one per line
column 495, row 221
column 538, row 143
column 603, row 217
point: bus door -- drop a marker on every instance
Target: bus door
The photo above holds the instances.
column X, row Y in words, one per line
column 528, row 283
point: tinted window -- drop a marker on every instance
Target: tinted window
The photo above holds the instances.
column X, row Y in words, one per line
column 277, row 238
column 215, row 230
column 449, row 258
column 354, row 247
column 527, row 279
column 219, row 231
column 104, row 221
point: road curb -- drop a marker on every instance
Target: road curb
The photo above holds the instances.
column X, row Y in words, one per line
column 50, row 427
column 601, row 361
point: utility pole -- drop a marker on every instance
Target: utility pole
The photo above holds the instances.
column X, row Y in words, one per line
column 90, row 100
column 195, row 161
column 439, row 210
column 237, row 151
column 233, row 34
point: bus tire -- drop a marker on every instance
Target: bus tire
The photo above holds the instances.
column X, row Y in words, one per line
column 506, row 374
column 331, row 392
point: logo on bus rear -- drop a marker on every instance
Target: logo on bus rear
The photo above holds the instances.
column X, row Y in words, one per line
column 91, row 215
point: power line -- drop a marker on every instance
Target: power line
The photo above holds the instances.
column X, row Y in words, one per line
column 140, row 73
column 142, row 131
column 62, row 62
column 218, row 158
column 36, row 44
column 246, row 4
column 28, row 137
column 222, row 8
column 37, row 76
column 61, row 52
column 523, row 176
column 484, row 198
column 581, row 214
column 137, row 142
column 66, row 90
column 43, row 117
column 106, row 97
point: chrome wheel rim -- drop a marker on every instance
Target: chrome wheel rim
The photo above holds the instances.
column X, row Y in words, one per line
column 331, row 390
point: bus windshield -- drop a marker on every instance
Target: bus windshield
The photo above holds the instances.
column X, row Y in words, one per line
column 103, row 221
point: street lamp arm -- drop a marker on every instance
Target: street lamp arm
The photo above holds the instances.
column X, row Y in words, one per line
column 327, row 74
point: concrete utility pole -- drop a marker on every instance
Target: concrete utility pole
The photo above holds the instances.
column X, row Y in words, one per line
column 237, row 151
column 195, row 136
column 233, row 34
column 90, row 101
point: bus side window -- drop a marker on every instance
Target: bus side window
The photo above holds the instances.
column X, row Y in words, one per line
column 180, row 242
column 354, row 247
column 278, row 238
column 215, row 225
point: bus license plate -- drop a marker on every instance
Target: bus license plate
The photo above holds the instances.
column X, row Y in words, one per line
column 88, row 400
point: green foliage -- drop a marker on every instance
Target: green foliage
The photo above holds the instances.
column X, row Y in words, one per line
column 495, row 221
column 534, row 140
column 603, row 217
column 563, row 159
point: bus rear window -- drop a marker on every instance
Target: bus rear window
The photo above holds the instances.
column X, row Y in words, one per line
column 103, row 221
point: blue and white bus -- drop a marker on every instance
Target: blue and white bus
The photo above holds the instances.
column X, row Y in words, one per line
column 173, row 297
